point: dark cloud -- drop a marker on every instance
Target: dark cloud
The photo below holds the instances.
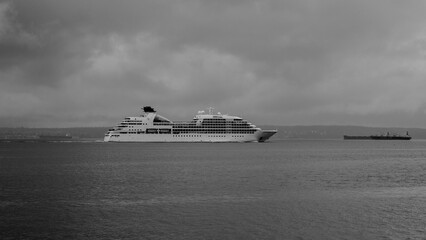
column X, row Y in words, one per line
column 278, row 62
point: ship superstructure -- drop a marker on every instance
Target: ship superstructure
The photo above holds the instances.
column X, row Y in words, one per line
column 204, row 127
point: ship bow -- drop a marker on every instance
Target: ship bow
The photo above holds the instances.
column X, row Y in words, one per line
column 265, row 135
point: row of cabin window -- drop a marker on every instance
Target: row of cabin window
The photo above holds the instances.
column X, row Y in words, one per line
column 208, row 130
column 180, row 133
column 133, row 123
column 190, row 125
column 213, row 126
column 216, row 131
column 145, row 132
column 222, row 120
column 186, row 135
column 200, row 136
column 218, row 123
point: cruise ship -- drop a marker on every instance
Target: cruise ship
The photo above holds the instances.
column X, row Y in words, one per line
column 204, row 127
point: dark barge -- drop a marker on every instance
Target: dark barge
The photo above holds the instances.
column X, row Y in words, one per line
column 379, row 137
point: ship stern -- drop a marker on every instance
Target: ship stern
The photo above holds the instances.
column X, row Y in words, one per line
column 107, row 137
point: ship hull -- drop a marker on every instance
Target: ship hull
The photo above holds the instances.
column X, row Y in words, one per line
column 390, row 138
column 259, row 136
column 376, row 137
column 357, row 137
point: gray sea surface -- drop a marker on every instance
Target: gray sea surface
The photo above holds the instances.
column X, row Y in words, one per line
column 290, row 189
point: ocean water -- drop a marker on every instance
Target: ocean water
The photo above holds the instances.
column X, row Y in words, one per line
column 291, row 189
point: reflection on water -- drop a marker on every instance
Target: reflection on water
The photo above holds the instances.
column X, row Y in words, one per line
column 276, row 190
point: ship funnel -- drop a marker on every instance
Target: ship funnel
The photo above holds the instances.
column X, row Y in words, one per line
column 148, row 109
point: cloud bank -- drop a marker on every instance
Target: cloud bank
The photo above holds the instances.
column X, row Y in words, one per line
column 90, row 63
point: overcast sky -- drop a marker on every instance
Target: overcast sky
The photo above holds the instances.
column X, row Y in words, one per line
column 284, row 62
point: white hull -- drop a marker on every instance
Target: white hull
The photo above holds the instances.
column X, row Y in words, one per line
column 258, row 136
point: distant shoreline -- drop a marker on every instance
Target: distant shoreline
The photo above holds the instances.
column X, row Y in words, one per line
column 36, row 140
column 284, row 132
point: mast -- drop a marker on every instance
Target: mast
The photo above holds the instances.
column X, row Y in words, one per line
column 210, row 110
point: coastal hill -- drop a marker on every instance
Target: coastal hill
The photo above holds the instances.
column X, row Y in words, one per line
column 284, row 132
column 25, row 133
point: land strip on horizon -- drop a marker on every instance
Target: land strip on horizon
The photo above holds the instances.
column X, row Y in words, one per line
column 284, row 132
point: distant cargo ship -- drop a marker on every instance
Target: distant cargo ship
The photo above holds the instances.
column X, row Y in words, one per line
column 379, row 137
